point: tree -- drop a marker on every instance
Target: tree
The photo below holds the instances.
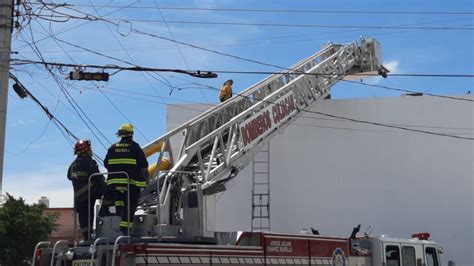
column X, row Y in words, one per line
column 21, row 227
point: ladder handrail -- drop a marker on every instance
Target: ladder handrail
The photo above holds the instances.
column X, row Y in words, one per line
column 232, row 100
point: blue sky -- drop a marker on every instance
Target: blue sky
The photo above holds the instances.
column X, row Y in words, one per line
column 37, row 155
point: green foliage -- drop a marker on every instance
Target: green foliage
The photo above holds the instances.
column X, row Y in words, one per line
column 21, row 227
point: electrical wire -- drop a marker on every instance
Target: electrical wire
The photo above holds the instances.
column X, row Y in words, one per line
column 362, row 121
column 181, row 71
column 69, row 28
column 177, row 46
column 78, row 110
column 379, row 124
column 254, row 10
column 128, row 54
column 409, row 91
column 278, row 25
column 293, row 38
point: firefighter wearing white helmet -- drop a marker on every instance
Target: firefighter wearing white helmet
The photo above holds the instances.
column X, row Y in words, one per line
column 79, row 172
column 124, row 156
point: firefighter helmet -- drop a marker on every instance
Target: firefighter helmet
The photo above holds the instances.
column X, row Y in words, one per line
column 230, row 82
column 126, row 130
column 82, row 146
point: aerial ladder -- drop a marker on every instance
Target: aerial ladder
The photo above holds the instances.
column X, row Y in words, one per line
column 179, row 202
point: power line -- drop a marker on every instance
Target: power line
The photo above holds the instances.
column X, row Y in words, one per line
column 194, row 73
column 307, row 117
column 423, row 75
column 396, row 124
column 233, row 56
column 265, row 40
column 254, row 10
column 363, row 121
column 45, row 109
column 409, row 91
column 360, row 129
column 78, row 110
column 245, row 24
column 177, row 46
column 60, row 125
column 181, row 71
column 67, row 29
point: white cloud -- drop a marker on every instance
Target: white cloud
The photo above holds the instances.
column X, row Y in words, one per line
column 32, row 186
column 23, row 122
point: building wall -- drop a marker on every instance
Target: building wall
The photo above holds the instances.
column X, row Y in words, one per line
column 65, row 230
column 332, row 175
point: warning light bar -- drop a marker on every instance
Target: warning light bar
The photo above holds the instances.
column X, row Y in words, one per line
column 421, row 236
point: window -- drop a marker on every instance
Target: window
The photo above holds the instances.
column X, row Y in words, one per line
column 408, row 256
column 392, row 255
column 431, row 257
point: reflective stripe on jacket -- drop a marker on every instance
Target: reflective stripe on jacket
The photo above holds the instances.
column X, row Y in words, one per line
column 79, row 172
column 126, row 156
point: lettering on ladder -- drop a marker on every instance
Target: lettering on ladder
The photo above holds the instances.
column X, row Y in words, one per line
column 264, row 121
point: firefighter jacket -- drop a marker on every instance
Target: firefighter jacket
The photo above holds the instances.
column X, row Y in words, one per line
column 226, row 92
column 79, row 172
column 126, row 156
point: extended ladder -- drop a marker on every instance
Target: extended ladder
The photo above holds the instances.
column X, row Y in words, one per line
column 220, row 142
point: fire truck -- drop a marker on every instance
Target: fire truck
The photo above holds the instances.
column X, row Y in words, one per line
column 175, row 220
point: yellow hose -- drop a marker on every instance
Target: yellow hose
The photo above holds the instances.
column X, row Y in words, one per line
column 164, row 165
column 153, row 150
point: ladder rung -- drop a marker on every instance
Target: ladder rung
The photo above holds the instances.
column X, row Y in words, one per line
column 261, row 205
column 261, row 183
column 261, row 173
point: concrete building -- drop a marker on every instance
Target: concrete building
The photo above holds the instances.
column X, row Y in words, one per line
column 44, row 200
column 332, row 174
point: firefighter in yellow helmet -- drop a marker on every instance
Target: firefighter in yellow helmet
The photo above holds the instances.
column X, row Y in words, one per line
column 127, row 156
column 79, row 172
column 226, row 91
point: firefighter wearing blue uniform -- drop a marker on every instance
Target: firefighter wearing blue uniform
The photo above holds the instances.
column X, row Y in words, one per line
column 79, row 172
column 127, row 156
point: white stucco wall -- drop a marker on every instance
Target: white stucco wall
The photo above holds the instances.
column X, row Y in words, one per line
column 332, row 175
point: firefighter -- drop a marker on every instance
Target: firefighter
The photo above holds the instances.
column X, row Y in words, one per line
column 226, row 91
column 127, row 156
column 79, row 172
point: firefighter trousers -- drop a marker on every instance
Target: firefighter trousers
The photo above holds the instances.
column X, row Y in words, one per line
column 86, row 216
column 117, row 196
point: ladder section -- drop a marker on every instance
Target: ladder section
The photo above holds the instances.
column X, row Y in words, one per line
column 261, row 190
column 219, row 143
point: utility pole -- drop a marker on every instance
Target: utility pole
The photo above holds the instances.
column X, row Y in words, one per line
column 6, row 26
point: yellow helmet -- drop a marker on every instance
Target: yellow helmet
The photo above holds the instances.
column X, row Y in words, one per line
column 126, row 130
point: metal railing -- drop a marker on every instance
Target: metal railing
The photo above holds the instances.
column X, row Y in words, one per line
column 89, row 199
column 36, row 248
column 91, row 263
column 54, row 249
column 117, row 241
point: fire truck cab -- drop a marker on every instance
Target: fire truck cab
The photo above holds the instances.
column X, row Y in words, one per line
column 387, row 251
